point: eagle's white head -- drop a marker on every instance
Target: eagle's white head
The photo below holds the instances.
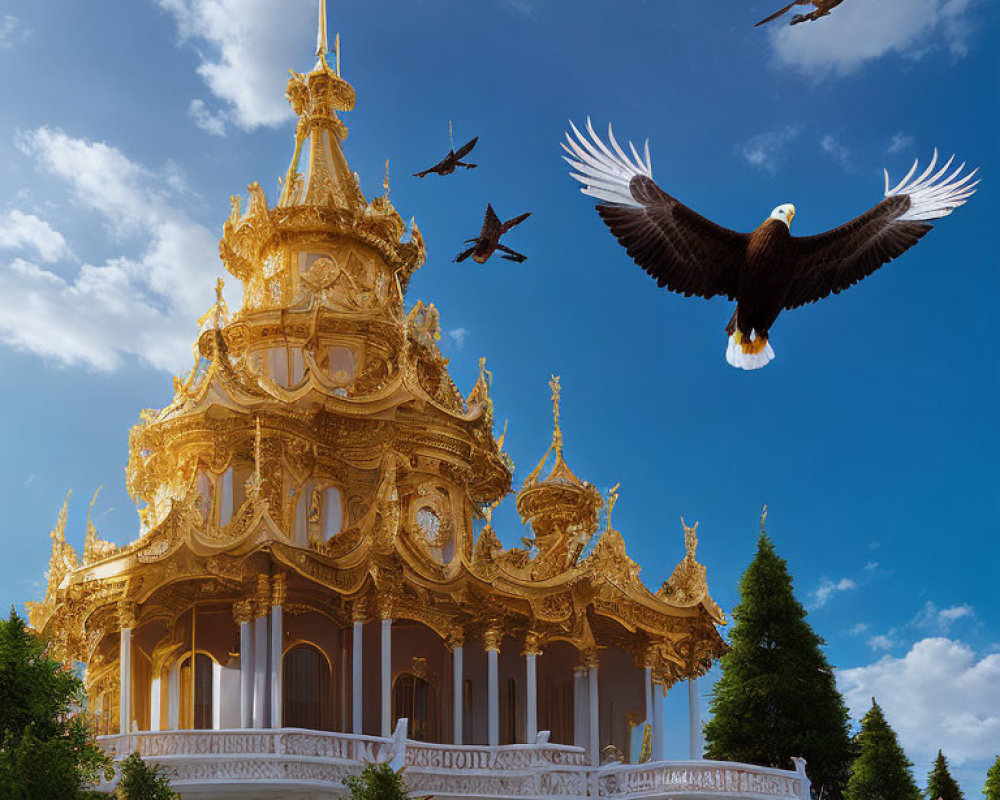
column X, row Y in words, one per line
column 785, row 213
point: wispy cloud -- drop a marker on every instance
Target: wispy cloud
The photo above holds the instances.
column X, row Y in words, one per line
column 864, row 31
column 881, row 642
column 246, row 48
column 828, row 588
column 215, row 124
column 859, row 629
column 9, row 26
column 766, row 150
column 900, row 142
column 940, row 620
column 141, row 304
column 457, row 335
column 20, row 231
column 838, row 151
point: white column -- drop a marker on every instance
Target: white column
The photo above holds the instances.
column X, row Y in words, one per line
column 356, row 683
column 125, row 680
column 694, row 715
column 492, row 642
column 154, row 704
column 648, row 678
column 216, row 695
column 174, row 698
column 246, row 674
column 458, row 690
column 659, row 731
column 531, row 698
column 595, row 748
column 387, row 678
column 580, row 707
column 260, row 672
column 276, row 665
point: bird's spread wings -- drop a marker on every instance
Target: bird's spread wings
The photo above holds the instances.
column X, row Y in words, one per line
column 491, row 224
column 681, row 249
column 785, row 10
column 512, row 222
column 837, row 259
column 466, row 148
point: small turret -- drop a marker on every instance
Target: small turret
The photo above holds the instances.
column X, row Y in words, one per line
column 561, row 509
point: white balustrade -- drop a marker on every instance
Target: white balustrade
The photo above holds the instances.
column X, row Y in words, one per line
column 266, row 762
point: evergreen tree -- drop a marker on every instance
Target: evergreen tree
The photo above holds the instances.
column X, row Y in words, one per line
column 377, row 782
column 940, row 784
column 991, row 791
column 881, row 771
column 141, row 781
column 777, row 697
column 46, row 750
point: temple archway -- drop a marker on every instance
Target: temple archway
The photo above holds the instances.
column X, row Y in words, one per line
column 307, row 689
column 416, row 698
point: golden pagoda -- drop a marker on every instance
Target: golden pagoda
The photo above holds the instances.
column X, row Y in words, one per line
column 307, row 558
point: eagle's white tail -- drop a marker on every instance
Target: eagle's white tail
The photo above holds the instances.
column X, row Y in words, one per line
column 752, row 354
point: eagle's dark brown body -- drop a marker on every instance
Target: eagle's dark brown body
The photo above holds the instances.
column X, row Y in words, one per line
column 450, row 162
column 764, row 281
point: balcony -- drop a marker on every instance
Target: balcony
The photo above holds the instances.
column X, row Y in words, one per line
column 294, row 764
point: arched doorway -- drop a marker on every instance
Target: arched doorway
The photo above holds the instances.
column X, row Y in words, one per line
column 196, row 692
column 416, row 699
column 307, row 699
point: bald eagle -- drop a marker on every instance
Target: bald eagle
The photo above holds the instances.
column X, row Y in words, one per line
column 767, row 270
column 823, row 9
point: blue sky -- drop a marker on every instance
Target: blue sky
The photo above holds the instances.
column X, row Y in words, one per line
column 124, row 129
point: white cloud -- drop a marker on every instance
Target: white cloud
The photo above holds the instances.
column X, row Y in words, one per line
column 882, row 642
column 765, row 150
column 857, row 630
column 9, row 25
column 900, row 141
column 19, row 230
column 214, row 124
column 246, row 48
column 144, row 305
column 939, row 620
column 828, row 588
column 939, row 695
column 833, row 148
column 458, row 335
column 865, row 30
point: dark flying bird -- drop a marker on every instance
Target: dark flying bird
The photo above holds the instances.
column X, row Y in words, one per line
column 488, row 241
column 447, row 165
column 823, row 8
column 767, row 270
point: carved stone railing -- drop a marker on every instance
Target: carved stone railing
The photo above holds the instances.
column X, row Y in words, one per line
column 265, row 763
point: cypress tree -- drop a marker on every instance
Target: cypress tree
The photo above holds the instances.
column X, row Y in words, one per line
column 881, row 771
column 991, row 791
column 940, row 784
column 777, row 697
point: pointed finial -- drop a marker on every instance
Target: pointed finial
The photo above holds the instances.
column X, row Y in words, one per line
column 763, row 519
column 58, row 533
column 337, row 44
column 321, row 45
column 502, row 436
column 612, row 499
column 690, row 538
column 557, row 440
column 385, row 183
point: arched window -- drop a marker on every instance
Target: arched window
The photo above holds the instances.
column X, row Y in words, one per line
column 416, row 699
column 307, row 696
column 196, row 692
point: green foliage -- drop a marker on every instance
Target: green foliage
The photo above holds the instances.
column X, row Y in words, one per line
column 377, row 782
column 777, row 697
column 881, row 771
column 46, row 749
column 991, row 791
column 141, row 781
column 940, row 784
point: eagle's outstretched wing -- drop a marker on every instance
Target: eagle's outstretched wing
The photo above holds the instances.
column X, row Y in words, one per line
column 680, row 248
column 784, row 10
column 835, row 260
column 466, row 148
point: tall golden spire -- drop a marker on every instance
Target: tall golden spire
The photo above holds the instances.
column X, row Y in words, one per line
column 557, row 439
column 321, row 46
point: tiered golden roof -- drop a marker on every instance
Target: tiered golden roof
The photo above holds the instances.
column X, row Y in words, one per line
column 319, row 445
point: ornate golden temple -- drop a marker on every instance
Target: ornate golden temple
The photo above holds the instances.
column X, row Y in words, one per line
column 309, row 500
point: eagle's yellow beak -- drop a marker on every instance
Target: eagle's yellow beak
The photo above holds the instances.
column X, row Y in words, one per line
column 791, row 214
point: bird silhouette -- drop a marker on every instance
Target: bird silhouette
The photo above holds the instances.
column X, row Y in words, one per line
column 823, row 8
column 447, row 165
column 488, row 241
